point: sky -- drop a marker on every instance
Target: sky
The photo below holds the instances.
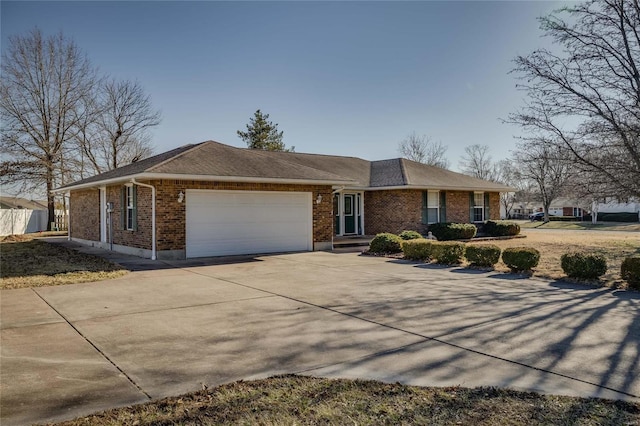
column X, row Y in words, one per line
column 340, row 78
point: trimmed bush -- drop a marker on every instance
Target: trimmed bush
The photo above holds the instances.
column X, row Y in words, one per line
column 448, row 253
column 501, row 228
column 485, row 255
column 453, row 231
column 564, row 218
column 520, row 259
column 583, row 265
column 409, row 235
column 630, row 271
column 618, row 217
column 418, row 249
column 386, row 243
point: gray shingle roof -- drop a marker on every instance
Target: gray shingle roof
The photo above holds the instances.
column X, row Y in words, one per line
column 215, row 159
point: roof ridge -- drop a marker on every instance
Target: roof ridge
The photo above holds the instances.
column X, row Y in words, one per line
column 265, row 153
column 403, row 170
column 311, row 153
column 193, row 147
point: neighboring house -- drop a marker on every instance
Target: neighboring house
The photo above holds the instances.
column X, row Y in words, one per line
column 211, row 199
column 21, row 203
column 558, row 207
column 611, row 205
column 22, row 216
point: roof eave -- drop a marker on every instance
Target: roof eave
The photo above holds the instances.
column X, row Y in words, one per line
column 206, row 178
column 432, row 187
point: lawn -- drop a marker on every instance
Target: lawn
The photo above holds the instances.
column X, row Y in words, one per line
column 28, row 262
column 310, row 401
column 578, row 226
column 552, row 244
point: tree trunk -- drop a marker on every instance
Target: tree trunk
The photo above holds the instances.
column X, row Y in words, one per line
column 50, row 200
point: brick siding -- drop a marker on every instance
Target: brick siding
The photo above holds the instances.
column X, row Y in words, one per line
column 84, row 218
column 494, row 206
column 399, row 210
column 457, row 206
column 170, row 215
column 393, row 211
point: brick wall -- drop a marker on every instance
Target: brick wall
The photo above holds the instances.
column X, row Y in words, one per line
column 393, row 211
column 84, row 214
column 141, row 238
column 399, row 210
column 457, row 206
column 170, row 215
column 494, row 206
column 171, row 218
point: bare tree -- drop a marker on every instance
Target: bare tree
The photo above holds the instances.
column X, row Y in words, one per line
column 586, row 98
column 42, row 83
column 117, row 132
column 424, row 150
column 505, row 173
column 477, row 162
column 547, row 168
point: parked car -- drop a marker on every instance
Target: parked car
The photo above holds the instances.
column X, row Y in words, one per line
column 538, row 216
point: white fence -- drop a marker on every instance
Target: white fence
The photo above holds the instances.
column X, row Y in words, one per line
column 22, row 221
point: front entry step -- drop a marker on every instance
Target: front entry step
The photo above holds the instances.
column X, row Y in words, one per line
column 352, row 241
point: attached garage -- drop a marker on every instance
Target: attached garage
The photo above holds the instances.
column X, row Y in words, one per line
column 223, row 223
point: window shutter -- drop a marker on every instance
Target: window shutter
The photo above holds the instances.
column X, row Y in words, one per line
column 443, row 206
column 486, row 206
column 134, row 220
column 471, row 204
column 424, row 207
column 123, row 207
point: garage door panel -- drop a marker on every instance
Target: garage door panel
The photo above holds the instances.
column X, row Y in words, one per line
column 246, row 222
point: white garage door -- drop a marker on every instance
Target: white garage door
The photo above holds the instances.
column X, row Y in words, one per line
column 222, row 223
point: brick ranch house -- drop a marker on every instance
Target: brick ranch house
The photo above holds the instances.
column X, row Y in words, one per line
column 211, row 199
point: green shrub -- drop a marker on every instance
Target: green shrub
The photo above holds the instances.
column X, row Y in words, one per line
column 485, row 255
column 418, row 249
column 618, row 217
column 448, row 253
column 583, row 265
column 409, row 235
column 501, row 228
column 630, row 271
column 520, row 258
column 564, row 218
column 386, row 243
column 453, row 231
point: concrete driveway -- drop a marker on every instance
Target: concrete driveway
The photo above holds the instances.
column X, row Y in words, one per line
column 72, row 350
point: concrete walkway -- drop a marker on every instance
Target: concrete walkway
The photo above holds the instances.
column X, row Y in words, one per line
column 171, row 327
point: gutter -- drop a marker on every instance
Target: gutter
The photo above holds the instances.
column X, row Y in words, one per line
column 204, row 178
column 153, row 215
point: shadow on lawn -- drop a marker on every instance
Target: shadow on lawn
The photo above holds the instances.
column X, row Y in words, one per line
column 35, row 257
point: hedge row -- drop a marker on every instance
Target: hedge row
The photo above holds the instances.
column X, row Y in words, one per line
column 452, row 253
column 518, row 259
column 466, row 231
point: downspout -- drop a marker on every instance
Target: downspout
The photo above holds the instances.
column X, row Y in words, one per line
column 153, row 215
column 68, row 216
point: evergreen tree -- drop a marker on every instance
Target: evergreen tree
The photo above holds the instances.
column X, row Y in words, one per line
column 263, row 134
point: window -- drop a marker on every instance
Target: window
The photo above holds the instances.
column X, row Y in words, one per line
column 478, row 206
column 430, row 207
column 128, row 207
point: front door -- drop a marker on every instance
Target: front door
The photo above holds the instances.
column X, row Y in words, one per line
column 349, row 214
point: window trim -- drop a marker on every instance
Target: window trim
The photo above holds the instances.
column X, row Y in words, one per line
column 478, row 206
column 129, row 208
column 426, row 206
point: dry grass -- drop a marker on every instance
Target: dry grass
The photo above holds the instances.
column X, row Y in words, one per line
column 28, row 262
column 310, row 401
column 600, row 226
column 552, row 244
